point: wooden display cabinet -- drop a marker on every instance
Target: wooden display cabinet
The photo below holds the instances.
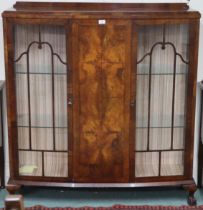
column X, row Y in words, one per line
column 101, row 95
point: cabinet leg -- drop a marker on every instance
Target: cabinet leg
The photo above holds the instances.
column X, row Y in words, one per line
column 12, row 188
column 191, row 188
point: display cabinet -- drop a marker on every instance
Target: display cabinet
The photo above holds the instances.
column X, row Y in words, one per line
column 101, row 95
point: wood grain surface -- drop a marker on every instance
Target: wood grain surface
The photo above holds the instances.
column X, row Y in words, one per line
column 102, row 149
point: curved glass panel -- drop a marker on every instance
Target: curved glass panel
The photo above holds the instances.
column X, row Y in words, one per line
column 41, row 85
column 162, row 69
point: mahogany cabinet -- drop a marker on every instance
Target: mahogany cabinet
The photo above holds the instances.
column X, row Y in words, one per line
column 101, row 95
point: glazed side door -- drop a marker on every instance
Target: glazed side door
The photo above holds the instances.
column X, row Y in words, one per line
column 38, row 89
column 163, row 86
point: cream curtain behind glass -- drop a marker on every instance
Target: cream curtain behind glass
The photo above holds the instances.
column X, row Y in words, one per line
column 160, row 152
column 48, row 120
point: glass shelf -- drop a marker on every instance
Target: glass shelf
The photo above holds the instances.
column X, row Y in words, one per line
column 42, row 73
column 159, row 127
column 42, row 121
column 159, row 121
column 27, row 126
column 160, row 74
column 161, row 69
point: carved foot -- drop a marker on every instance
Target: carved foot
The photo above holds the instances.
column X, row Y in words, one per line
column 12, row 188
column 191, row 200
column 191, row 189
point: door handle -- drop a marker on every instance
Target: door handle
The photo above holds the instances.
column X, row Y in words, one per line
column 132, row 103
column 70, row 101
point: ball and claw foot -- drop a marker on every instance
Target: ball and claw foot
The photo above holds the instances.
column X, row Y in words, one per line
column 191, row 188
column 191, row 200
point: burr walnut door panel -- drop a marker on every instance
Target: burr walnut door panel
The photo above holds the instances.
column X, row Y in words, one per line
column 101, row 101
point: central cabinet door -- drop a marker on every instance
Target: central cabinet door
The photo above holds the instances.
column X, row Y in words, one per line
column 101, row 76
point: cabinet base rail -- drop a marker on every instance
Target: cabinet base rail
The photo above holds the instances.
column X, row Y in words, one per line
column 189, row 185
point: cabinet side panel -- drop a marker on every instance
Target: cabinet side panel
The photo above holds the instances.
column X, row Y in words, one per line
column 11, row 98
column 191, row 95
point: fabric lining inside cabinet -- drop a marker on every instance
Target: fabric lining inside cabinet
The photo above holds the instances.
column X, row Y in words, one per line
column 41, row 86
column 162, row 68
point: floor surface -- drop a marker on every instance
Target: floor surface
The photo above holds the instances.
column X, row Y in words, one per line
column 64, row 197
